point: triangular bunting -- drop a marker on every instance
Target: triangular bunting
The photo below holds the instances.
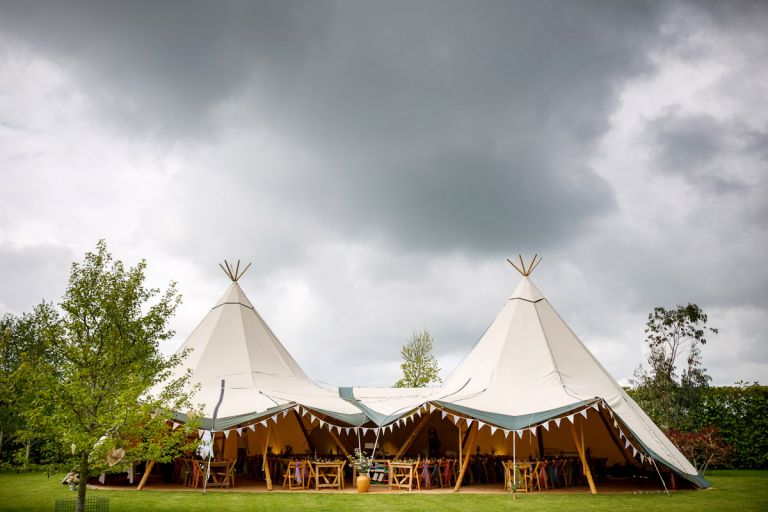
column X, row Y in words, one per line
column 346, row 430
column 634, row 451
column 583, row 412
column 493, row 430
column 285, row 413
column 443, row 414
column 274, row 418
column 533, row 430
column 506, row 433
column 322, row 423
column 569, row 418
column 545, row 425
column 175, row 425
column 365, row 431
column 596, row 406
column 557, row 422
column 252, row 426
column 239, row 430
column 519, row 433
column 226, row 434
column 456, row 419
column 626, row 443
column 312, row 418
column 263, row 423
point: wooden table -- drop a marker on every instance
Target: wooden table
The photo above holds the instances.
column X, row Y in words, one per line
column 328, row 474
column 221, row 473
column 403, row 474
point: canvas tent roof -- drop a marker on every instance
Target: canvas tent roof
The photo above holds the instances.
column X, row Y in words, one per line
column 234, row 343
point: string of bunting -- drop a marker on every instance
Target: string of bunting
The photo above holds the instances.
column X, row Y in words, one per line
column 429, row 408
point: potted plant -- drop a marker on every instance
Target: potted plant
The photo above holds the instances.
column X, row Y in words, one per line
column 362, row 464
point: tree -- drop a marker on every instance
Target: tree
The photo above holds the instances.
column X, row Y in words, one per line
column 419, row 365
column 101, row 357
column 672, row 335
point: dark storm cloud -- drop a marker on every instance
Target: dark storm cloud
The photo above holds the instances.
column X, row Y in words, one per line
column 436, row 125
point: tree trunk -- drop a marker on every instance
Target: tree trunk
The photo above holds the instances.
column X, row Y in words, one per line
column 27, row 449
column 83, row 482
column 1, row 441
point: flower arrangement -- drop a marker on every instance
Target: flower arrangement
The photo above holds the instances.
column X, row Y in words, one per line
column 361, row 461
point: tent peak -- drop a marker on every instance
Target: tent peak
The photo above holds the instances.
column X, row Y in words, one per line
column 526, row 271
column 232, row 271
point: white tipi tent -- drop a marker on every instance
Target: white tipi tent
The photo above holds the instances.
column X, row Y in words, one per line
column 529, row 370
column 233, row 343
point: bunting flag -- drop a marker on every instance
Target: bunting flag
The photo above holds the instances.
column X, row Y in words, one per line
column 610, row 411
column 506, row 433
column 557, row 422
column 456, row 420
column 263, row 423
column 252, row 426
column 569, row 418
column 430, row 408
column 365, row 430
column 297, row 409
column 418, row 412
column 519, row 433
column 285, row 413
column 642, row 458
column 621, row 434
column 634, row 451
column 532, row 430
column 626, row 443
column 312, row 418
column 175, row 425
column 493, row 430
column 596, row 406
column 226, row 434
column 480, row 425
column 347, row 429
column 239, row 431
column 615, row 424
column 469, row 422
column 583, row 412
column 545, row 425
column 322, row 423
column 443, row 414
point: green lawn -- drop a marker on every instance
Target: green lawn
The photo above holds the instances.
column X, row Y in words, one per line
column 734, row 490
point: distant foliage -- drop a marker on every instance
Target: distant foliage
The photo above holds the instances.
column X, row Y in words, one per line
column 419, row 365
column 703, row 448
column 670, row 388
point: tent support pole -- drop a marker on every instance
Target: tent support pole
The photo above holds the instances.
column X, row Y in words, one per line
column 411, row 438
column 145, row 476
column 265, row 466
column 470, row 444
column 310, row 446
column 660, row 477
column 336, row 438
column 580, row 449
column 616, row 440
column 540, row 439
column 461, row 446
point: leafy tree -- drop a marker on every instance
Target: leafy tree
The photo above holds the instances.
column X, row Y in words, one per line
column 419, row 365
column 101, row 357
column 672, row 335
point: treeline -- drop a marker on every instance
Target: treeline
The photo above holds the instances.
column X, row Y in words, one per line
column 728, row 424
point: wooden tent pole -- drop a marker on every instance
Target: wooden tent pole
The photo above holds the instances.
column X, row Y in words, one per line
column 616, row 440
column 414, row 434
column 461, row 445
column 310, row 446
column 580, row 449
column 470, row 444
column 145, row 476
column 336, row 438
column 265, row 466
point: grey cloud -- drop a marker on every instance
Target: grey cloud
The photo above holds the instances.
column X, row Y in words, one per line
column 28, row 270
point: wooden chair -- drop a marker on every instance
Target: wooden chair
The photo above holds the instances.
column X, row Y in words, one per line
column 294, row 475
column 447, row 474
column 532, row 480
column 544, row 475
column 198, row 473
column 309, row 477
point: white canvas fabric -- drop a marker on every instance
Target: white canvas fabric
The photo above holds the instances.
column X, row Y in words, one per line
column 234, row 343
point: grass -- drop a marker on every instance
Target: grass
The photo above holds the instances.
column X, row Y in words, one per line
column 733, row 490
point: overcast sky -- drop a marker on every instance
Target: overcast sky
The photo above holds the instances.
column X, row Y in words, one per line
column 377, row 162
